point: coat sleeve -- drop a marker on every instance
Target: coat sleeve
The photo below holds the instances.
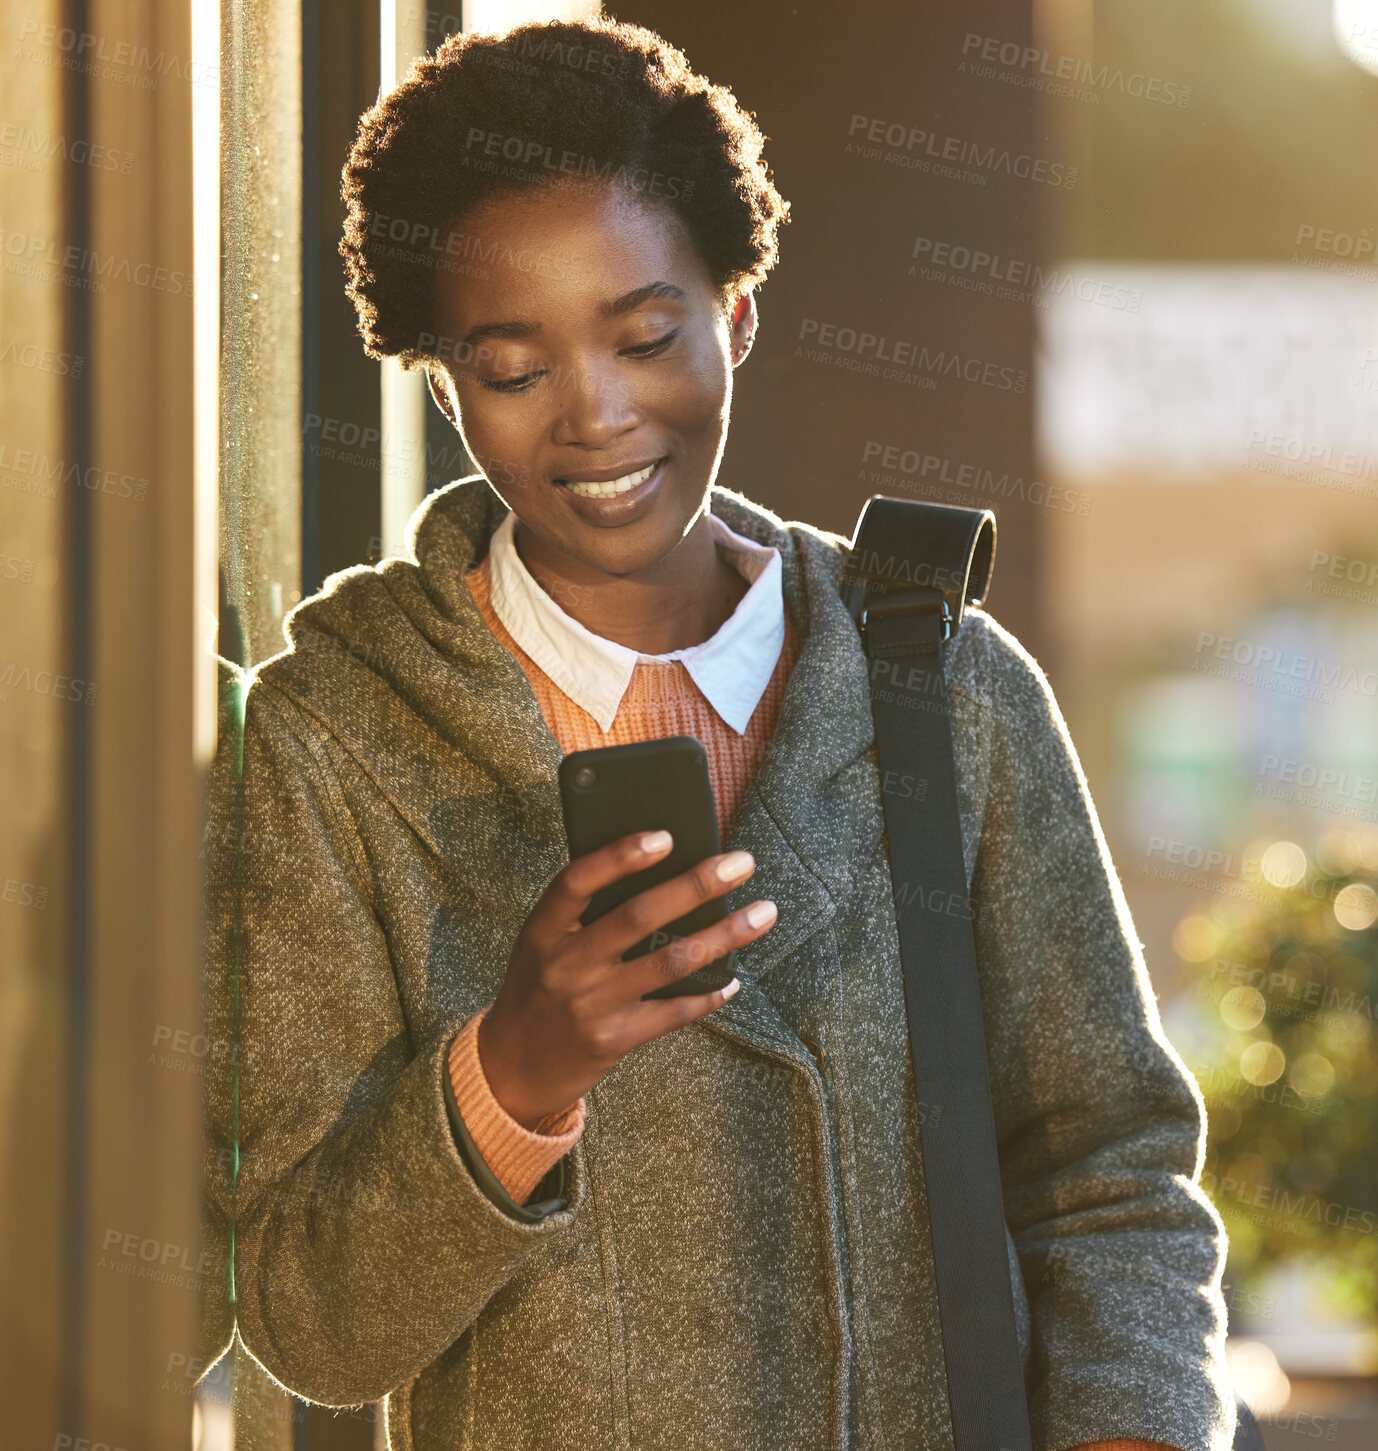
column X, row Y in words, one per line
column 363, row 1244
column 1101, row 1128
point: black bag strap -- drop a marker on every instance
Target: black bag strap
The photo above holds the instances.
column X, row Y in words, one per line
column 914, row 567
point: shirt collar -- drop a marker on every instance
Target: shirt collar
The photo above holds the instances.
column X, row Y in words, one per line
column 732, row 668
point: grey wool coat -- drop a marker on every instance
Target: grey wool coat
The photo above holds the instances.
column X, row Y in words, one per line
column 736, row 1253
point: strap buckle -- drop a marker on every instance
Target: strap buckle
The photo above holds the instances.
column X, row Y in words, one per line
column 899, row 604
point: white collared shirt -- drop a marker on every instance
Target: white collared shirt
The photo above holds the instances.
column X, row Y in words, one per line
column 732, row 668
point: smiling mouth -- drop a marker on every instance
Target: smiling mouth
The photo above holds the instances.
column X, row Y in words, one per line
column 610, row 488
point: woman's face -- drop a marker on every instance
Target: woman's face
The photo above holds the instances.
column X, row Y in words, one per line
column 595, row 348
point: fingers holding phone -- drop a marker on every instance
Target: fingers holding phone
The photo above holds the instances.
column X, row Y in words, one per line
column 571, row 1007
column 631, row 939
column 647, row 921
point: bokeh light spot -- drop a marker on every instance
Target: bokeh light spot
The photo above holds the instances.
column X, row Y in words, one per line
column 1195, row 939
column 1312, row 1075
column 1243, row 1008
column 1356, row 906
column 1262, row 1063
column 1283, row 864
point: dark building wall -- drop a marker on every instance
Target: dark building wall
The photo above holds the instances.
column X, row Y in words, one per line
column 341, row 400
column 810, row 434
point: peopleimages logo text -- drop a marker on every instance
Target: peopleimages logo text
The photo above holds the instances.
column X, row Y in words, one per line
column 1274, row 660
column 875, row 138
column 876, row 347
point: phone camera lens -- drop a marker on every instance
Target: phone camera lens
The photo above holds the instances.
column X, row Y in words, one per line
column 585, row 776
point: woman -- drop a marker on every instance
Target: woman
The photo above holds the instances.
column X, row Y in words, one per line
column 478, row 1175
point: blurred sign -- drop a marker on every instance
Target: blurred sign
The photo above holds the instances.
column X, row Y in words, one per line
column 1271, row 370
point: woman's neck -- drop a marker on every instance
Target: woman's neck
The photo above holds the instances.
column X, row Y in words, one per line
column 685, row 600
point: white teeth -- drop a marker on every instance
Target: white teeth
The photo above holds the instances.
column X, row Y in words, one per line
column 612, row 487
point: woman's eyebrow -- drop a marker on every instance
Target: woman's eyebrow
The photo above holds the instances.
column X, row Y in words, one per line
column 630, row 300
column 619, row 305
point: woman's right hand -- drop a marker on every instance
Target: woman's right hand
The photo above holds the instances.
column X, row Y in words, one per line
column 570, row 1008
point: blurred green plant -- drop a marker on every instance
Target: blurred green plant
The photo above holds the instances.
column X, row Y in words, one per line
column 1288, row 985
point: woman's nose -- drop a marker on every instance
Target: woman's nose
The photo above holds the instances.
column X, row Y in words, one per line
column 595, row 405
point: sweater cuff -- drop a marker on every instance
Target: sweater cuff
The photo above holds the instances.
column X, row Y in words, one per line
column 518, row 1157
column 1125, row 1446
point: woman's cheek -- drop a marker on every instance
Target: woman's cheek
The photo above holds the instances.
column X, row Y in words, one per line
column 502, row 453
column 696, row 400
column 504, row 474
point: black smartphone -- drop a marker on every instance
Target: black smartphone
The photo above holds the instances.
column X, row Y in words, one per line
column 661, row 784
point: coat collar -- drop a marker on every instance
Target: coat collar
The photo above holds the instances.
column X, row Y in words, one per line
column 382, row 645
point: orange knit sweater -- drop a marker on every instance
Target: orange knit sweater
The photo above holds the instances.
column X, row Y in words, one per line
column 662, row 699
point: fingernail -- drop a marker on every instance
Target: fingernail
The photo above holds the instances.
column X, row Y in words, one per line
column 656, row 841
column 759, row 913
column 735, row 864
column 732, row 989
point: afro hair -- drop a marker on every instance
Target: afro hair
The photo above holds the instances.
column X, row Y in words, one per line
column 543, row 105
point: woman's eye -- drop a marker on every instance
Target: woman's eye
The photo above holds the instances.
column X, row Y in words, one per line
column 518, row 385
column 509, row 385
column 645, row 350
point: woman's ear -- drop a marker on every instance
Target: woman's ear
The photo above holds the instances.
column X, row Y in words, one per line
column 442, row 402
column 742, row 331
